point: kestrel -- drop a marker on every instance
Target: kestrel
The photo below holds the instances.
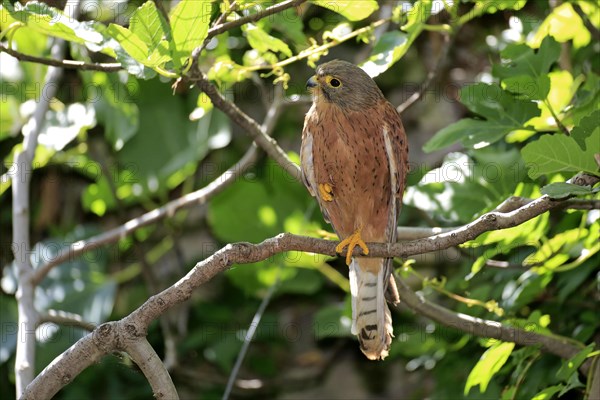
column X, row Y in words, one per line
column 354, row 160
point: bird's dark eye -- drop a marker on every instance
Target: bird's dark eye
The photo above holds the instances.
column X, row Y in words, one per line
column 335, row 83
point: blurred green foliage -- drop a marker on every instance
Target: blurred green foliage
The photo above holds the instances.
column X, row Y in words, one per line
column 524, row 119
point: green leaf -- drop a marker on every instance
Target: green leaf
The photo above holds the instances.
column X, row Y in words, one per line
column 130, row 42
column 561, row 190
column 114, row 106
column 503, row 114
column 50, row 21
column 493, row 6
column 570, row 366
column 488, row 365
column 392, row 46
column 562, row 89
column 263, row 42
column 588, row 126
column 548, row 393
column 560, row 153
column 551, row 254
column 189, row 27
column 563, row 24
column 350, row 9
column 149, row 25
column 524, row 71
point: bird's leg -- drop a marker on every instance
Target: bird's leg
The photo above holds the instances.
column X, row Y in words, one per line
column 326, row 191
column 352, row 241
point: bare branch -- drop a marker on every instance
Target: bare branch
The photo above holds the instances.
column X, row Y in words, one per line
column 64, row 368
column 28, row 317
column 66, row 318
column 67, row 64
column 142, row 353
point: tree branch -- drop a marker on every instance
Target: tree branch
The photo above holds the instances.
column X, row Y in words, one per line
column 431, row 76
column 110, row 336
column 260, row 137
column 66, row 318
column 284, row 5
column 198, row 197
column 142, row 353
column 28, row 317
column 67, row 64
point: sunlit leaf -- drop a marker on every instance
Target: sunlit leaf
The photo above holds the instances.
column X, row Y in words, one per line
column 50, row 21
column 391, row 46
column 488, row 365
column 189, row 27
column 263, row 42
column 350, row 9
column 563, row 24
column 562, row 89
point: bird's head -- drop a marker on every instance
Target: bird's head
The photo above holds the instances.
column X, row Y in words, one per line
column 345, row 85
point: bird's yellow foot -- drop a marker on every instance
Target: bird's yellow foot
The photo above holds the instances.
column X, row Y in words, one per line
column 352, row 241
column 325, row 190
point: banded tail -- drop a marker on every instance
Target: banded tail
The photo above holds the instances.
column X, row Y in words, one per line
column 371, row 317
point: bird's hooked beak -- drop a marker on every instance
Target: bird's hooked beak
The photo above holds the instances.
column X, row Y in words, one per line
column 312, row 82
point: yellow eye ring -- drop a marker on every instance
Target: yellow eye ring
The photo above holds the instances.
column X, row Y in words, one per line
column 333, row 82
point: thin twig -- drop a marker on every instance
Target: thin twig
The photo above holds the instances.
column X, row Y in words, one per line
column 60, row 317
column 431, row 76
column 284, row 5
column 248, row 338
column 67, row 64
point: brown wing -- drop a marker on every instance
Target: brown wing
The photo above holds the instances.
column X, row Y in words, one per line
column 307, row 164
column 397, row 155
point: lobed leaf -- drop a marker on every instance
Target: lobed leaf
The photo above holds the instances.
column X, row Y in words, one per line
column 560, row 153
column 503, row 114
column 524, row 70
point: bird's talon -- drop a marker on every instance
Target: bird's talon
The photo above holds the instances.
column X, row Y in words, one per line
column 325, row 190
column 352, row 241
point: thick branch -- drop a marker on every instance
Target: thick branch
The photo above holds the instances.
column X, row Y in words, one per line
column 137, row 322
